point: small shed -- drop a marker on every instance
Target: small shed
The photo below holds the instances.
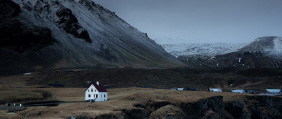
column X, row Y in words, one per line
column 273, row 90
column 190, row 89
column 18, row 105
column 238, row 91
column 252, row 91
column 215, row 90
column 8, row 104
column 57, row 85
column 27, row 74
column 179, row 88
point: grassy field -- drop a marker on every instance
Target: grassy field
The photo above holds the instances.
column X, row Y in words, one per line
column 23, row 95
column 119, row 98
column 199, row 78
column 21, row 88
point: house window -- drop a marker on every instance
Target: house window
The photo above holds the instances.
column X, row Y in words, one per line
column 91, row 90
column 96, row 95
column 89, row 95
column 104, row 96
column 88, row 90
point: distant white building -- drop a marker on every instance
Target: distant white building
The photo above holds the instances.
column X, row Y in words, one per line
column 215, row 90
column 179, row 88
column 96, row 92
column 238, row 91
column 273, row 90
column 27, row 74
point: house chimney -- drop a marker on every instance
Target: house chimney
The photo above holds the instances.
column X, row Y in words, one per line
column 98, row 83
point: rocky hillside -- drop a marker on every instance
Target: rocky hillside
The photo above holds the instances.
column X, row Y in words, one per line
column 40, row 34
column 264, row 52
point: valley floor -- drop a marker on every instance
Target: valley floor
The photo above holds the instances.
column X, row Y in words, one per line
column 127, row 100
column 119, row 99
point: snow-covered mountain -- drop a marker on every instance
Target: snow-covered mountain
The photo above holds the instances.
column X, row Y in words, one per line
column 204, row 49
column 263, row 52
column 270, row 46
column 200, row 54
column 38, row 34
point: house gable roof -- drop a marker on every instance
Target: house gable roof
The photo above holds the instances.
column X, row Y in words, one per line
column 100, row 87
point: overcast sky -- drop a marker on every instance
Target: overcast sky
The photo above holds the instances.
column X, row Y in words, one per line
column 201, row 21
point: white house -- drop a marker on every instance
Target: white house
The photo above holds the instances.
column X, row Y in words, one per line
column 273, row 90
column 238, row 91
column 96, row 92
column 215, row 90
column 179, row 88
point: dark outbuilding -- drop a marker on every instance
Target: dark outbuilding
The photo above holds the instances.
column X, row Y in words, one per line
column 252, row 91
column 57, row 85
column 190, row 89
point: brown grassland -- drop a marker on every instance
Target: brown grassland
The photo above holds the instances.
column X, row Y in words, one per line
column 124, row 93
column 119, row 98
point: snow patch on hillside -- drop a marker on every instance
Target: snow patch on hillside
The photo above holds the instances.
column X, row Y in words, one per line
column 277, row 49
column 206, row 49
column 269, row 46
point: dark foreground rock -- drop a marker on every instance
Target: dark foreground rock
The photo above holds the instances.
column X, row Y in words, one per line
column 135, row 114
column 168, row 112
column 209, row 107
column 249, row 107
column 256, row 107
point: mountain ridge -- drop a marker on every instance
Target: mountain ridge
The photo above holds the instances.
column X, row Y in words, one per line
column 264, row 52
column 269, row 45
column 208, row 49
column 84, row 35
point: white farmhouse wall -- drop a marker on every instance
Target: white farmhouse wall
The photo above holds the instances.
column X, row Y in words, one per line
column 90, row 93
column 102, row 96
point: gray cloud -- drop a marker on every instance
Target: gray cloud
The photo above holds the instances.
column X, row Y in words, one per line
column 176, row 21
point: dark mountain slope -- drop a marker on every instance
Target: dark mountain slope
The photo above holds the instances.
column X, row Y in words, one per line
column 51, row 34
